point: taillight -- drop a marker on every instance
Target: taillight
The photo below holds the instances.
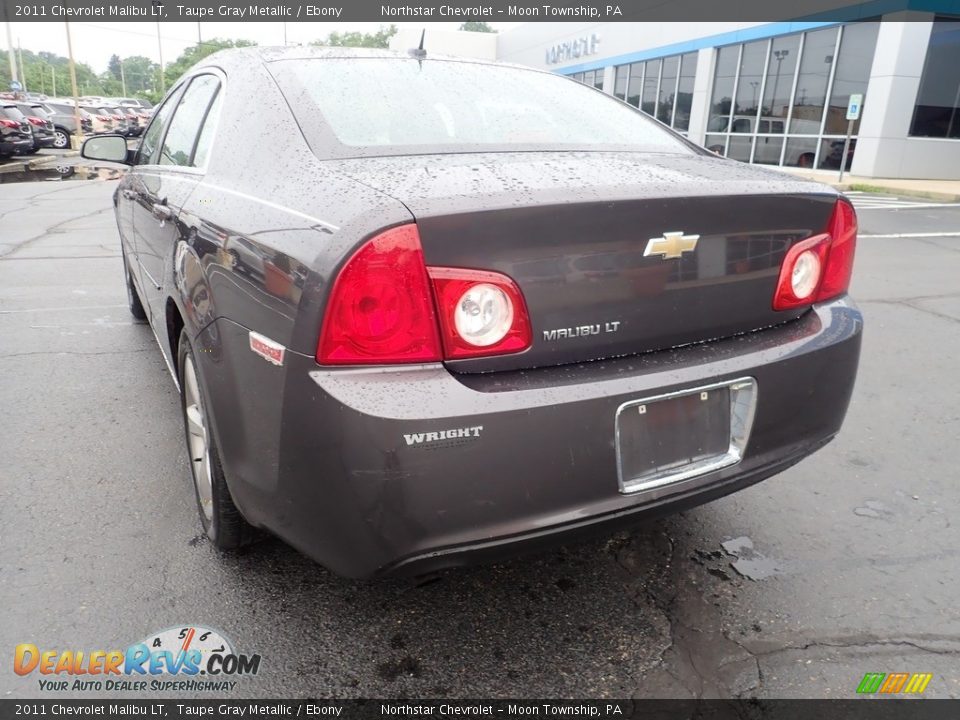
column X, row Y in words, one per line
column 385, row 303
column 843, row 246
column 482, row 313
column 102, row 117
column 9, row 123
column 380, row 309
column 36, row 121
column 819, row 268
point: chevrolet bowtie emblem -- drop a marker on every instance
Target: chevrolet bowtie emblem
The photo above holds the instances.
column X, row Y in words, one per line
column 671, row 245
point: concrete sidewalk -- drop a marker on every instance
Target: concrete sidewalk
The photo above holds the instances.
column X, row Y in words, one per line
column 940, row 190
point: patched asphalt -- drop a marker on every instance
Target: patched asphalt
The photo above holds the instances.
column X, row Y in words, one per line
column 796, row 587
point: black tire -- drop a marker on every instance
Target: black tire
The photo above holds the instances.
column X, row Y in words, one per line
column 61, row 139
column 133, row 297
column 223, row 524
column 32, row 151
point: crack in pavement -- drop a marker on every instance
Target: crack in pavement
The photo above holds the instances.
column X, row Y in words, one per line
column 52, row 229
column 33, row 200
column 74, row 352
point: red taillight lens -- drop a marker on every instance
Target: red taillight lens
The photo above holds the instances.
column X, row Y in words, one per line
column 9, row 123
column 819, row 268
column 102, row 117
column 482, row 313
column 843, row 246
column 36, row 121
column 380, row 309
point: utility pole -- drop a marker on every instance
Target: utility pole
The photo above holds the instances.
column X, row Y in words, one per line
column 53, row 79
column 123, row 79
column 78, row 134
column 163, row 82
column 13, row 63
column 199, row 37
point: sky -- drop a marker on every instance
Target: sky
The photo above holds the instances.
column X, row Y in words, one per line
column 94, row 43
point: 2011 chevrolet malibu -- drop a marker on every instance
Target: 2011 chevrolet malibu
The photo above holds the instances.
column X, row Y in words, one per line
column 432, row 311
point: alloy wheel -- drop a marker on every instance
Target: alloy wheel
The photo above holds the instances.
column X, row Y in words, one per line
column 198, row 438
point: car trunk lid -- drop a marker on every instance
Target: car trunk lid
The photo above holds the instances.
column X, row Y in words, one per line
column 616, row 254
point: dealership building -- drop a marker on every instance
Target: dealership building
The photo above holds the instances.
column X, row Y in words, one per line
column 771, row 93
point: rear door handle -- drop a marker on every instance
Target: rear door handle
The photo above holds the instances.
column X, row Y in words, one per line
column 162, row 212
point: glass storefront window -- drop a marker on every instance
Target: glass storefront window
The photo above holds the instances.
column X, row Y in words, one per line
column 684, row 100
column 767, row 150
column 937, row 111
column 721, row 101
column 668, row 89
column 801, row 152
column 782, row 66
column 815, row 66
column 651, row 82
column 740, row 148
column 715, row 143
column 852, row 74
column 620, row 82
column 636, row 84
column 748, row 87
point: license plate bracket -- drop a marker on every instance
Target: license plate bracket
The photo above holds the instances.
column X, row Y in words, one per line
column 671, row 438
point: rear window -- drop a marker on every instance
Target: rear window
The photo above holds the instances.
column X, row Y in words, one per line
column 379, row 104
column 11, row 113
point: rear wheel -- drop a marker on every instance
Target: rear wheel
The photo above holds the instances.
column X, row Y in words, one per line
column 222, row 522
column 61, row 139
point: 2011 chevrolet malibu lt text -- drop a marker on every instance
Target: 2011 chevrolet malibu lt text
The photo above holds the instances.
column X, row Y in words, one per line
column 430, row 311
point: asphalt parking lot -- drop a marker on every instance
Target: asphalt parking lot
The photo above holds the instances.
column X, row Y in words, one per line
column 845, row 564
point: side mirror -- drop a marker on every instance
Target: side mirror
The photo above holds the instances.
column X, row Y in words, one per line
column 112, row 148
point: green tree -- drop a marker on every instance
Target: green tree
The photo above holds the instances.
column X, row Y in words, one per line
column 195, row 53
column 379, row 39
column 473, row 26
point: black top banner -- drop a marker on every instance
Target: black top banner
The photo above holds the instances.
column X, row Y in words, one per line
column 472, row 10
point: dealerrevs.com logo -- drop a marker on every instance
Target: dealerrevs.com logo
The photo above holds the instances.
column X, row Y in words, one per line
column 180, row 659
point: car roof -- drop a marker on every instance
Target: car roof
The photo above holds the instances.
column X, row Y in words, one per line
column 231, row 57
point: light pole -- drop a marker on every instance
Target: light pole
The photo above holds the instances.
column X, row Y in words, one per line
column 13, row 63
column 78, row 134
column 780, row 55
column 163, row 82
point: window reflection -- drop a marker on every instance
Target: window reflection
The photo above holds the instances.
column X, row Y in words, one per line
column 784, row 53
column 748, row 88
column 684, row 100
column 722, row 99
column 851, row 75
column 668, row 89
column 818, row 51
column 650, row 82
column 937, row 112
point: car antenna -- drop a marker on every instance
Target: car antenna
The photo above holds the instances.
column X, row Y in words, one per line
column 418, row 52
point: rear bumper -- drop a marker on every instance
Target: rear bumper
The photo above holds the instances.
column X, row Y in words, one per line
column 9, row 147
column 344, row 484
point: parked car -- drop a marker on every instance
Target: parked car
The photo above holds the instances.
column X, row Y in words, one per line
column 478, row 308
column 15, row 135
column 103, row 122
column 65, row 123
column 122, row 123
column 41, row 126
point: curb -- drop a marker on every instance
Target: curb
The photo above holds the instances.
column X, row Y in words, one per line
column 908, row 192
